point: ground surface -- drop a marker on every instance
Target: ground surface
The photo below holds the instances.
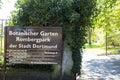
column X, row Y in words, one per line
column 100, row 67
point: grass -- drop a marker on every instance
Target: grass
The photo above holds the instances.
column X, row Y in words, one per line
column 1, row 61
column 87, row 46
column 1, row 51
column 1, row 45
column 111, row 50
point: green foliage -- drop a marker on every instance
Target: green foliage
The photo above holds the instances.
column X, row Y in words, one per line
column 94, row 46
column 105, row 10
column 72, row 15
column 0, row 4
column 113, row 37
column 108, row 19
column 1, row 61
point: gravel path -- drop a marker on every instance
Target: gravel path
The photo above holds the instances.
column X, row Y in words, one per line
column 100, row 67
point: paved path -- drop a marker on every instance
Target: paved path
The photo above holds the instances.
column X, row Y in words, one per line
column 100, row 67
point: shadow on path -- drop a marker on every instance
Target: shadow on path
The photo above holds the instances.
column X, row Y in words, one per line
column 100, row 67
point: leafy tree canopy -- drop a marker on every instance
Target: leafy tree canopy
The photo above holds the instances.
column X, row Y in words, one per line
column 108, row 13
column 108, row 19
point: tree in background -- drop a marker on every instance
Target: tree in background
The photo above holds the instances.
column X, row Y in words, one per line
column 0, row 3
column 72, row 15
column 108, row 20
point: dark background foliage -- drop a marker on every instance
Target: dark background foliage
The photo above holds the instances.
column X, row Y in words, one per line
column 72, row 15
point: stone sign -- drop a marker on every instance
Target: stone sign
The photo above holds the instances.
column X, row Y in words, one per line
column 33, row 45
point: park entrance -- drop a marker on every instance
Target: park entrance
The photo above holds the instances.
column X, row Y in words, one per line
column 33, row 46
column 30, row 45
